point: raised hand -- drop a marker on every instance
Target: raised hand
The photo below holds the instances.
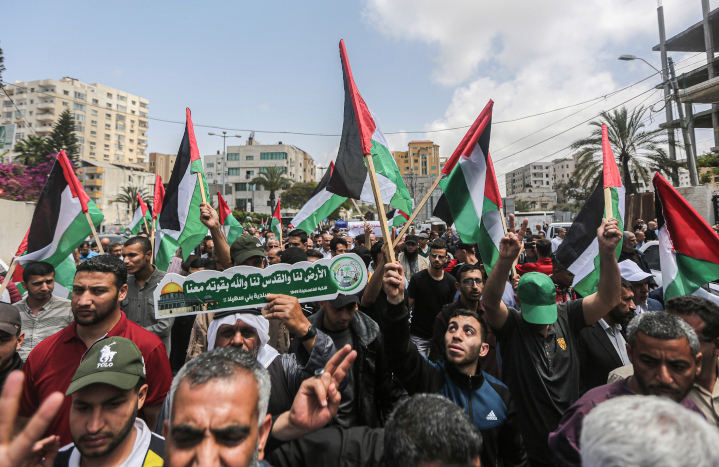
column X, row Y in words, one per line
column 288, row 310
column 393, row 283
column 609, row 235
column 511, row 245
column 209, row 216
column 27, row 448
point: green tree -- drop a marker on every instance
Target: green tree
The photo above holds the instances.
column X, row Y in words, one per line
column 573, row 194
column 63, row 136
column 638, row 151
column 32, row 150
column 128, row 196
column 273, row 179
column 521, row 205
column 711, row 162
column 298, row 194
column 2, row 65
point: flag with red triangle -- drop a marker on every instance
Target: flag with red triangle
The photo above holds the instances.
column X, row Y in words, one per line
column 276, row 225
column 230, row 225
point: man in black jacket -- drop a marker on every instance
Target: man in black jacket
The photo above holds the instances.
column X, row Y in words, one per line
column 460, row 378
column 371, row 391
column 602, row 347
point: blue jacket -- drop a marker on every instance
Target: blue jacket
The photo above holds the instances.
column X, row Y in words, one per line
column 486, row 400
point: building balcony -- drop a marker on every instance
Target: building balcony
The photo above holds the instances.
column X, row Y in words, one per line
column 46, row 105
column 143, row 118
column 45, row 117
column 95, row 194
column 43, row 130
column 93, row 182
column 141, row 137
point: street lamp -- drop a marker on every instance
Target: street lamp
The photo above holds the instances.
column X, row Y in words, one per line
column 224, row 155
column 628, row 58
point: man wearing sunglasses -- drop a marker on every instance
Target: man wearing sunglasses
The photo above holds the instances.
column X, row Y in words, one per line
column 429, row 290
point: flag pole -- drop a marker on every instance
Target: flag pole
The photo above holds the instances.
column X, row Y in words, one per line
column 147, row 229
column 152, row 240
column 380, row 207
column 94, row 232
column 418, row 208
column 504, row 226
column 361, row 216
column 202, row 186
column 8, row 277
column 608, row 203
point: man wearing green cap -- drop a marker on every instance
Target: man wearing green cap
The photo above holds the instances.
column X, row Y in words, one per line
column 107, row 391
column 539, row 345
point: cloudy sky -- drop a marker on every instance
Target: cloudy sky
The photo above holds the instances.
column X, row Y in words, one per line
column 421, row 65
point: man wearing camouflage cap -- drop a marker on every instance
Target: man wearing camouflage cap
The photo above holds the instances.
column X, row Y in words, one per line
column 107, row 391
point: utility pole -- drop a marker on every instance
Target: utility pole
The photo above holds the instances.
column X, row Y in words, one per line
column 667, row 88
column 709, row 45
column 224, row 155
column 691, row 161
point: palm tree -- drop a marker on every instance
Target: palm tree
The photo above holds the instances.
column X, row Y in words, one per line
column 638, row 150
column 128, row 196
column 273, row 179
column 33, row 150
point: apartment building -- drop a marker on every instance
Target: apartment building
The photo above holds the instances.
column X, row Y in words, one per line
column 111, row 125
column 562, row 170
column 532, row 178
column 161, row 164
column 421, row 158
column 246, row 162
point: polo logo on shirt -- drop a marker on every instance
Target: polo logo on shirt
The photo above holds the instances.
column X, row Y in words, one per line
column 562, row 343
column 491, row 416
column 106, row 356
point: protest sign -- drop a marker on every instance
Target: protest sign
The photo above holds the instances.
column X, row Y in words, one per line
column 357, row 228
column 243, row 287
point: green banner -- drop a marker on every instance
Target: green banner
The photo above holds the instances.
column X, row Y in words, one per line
column 246, row 287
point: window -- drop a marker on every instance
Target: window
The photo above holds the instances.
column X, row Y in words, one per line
column 94, row 112
column 210, row 164
column 19, row 113
column 233, row 156
column 79, row 128
column 121, row 98
column 108, row 115
column 106, row 156
column 109, row 106
column 95, row 101
column 233, row 171
column 79, row 118
column 77, row 106
column 80, row 140
column 108, row 126
column 120, row 137
column 120, row 118
column 273, row 155
column 249, row 174
column 133, row 102
column 119, row 147
column 65, row 104
column 79, row 95
column 92, row 154
column 107, row 146
column 67, row 93
column 118, row 157
column 241, row 204
column 93, row 133
column 119, row 127
column 249, row 158
column 109, row 95
column 244, row 187
column 434, row 167
column 94, row 122
column 132, row 141
column 7, row 114
column 121, row 108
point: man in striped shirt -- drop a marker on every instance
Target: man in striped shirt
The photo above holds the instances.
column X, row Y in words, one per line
column 42, row 313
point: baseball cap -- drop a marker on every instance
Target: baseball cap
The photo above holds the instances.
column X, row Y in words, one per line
column 245, row 247
column 422, row 235
column 411, row 239
column 115, row 361
column 632, row 272
column 538, row 298
column 343, row 300
column 9, row 319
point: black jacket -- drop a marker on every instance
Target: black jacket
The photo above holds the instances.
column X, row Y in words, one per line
column 15, row 364
column 487, row 400
column 638, row 258
column 332, row 447
column 376, row 390
column 597, row 357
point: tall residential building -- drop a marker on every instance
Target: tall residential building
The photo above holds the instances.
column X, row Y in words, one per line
column 532, row 178
column 161, row 164
column 562, row 170
column 246, row 162
column 110, row 125
column 421, row 158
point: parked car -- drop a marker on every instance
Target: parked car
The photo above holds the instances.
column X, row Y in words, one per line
column 554, row 228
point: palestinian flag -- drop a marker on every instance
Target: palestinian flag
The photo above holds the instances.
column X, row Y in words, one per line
column 321, row 204
column 276, row 225
column 688, row 247
column 179, row 221
column 141, row 218
column 471, row 194
column 230, row 226
column 59, row 223
column 361, row 135
column 64, row 273
column 395, row 218
column 579, row 252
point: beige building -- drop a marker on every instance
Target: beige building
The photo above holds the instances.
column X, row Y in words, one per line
column 161, row 164
column 246, row 162
column 538, row 201
column 562, row 170
column 111, row 125
column 532, row 178
column 424, row 159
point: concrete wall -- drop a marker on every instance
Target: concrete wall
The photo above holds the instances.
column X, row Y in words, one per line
column 700, row 197
column 16, row 216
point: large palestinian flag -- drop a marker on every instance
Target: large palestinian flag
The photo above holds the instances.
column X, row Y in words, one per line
column 688, row 247
column 179, row 221
column 321, row 204
column 230, row 226
column 141, row 218
column 59, row 224
column 361, row 135
column 471, row 194
column 579, row 252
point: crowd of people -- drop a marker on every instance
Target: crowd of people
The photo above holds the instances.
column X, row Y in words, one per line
column 440, row 361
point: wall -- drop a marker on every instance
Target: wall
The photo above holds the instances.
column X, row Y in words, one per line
column 16, row 216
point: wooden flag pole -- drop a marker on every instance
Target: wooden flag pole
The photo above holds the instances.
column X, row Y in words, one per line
column 147, row 229
column 362, row 216
column 504, row 226
column 152, row 241
column 380, row 207
column 8, row 277
column 608, row 203
column 202, row 186
column 94, row 232
column 418, row 208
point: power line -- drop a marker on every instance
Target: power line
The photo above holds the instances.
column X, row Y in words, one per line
column 18, row 110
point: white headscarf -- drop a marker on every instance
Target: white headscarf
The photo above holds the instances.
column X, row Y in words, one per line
column 266, row 354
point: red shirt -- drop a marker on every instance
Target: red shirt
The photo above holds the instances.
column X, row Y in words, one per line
column 542, row 265
column 53, row 362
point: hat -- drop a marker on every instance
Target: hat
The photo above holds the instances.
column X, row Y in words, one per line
column 10, row 321
column 422, row 235
column 245, row 247
column 343, row 300
column 631, row 272
column 411, row 239
column 538, row 298
column 115, row 361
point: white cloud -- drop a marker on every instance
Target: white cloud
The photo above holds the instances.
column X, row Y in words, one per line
column 528, row 57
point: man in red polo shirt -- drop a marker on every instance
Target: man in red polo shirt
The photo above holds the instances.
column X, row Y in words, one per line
column 544, row 260
column 99, row 287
